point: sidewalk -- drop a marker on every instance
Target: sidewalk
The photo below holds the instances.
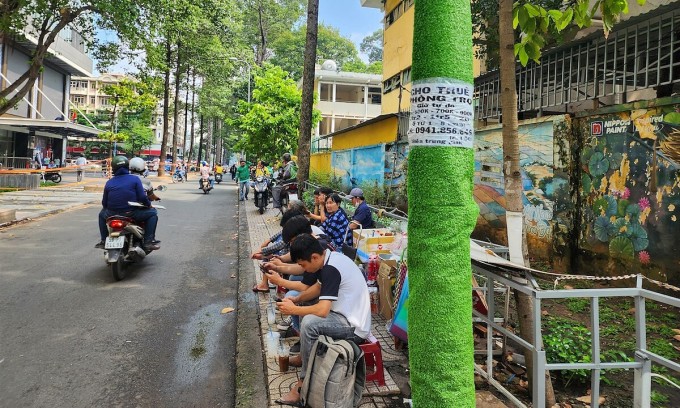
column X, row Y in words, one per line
column 261, row 227
column 21, row 205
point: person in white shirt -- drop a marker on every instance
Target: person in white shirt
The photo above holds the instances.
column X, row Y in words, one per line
column 343, row 311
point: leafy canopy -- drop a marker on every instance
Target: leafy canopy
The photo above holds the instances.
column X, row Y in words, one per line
column 269, row 125
column 289, row 49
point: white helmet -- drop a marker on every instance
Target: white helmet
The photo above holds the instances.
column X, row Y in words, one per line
column 137, row 165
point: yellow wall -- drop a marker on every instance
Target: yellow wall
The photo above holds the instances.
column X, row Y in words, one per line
column 320, row 163
column 384, row 131
column 397, row 56
column 397, row 53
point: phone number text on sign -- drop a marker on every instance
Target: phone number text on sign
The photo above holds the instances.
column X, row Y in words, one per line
column 441, row 113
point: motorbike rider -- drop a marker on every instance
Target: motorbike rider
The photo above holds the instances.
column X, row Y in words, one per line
column 120, row 189
column 205, row 174
column 286, row 176
column 138, row 168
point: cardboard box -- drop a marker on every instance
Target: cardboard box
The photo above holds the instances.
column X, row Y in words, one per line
column 386, row 298
column 374, row 240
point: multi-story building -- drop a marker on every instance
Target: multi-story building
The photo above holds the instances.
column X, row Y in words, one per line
column 345, row 100
column 38, row 126
column 88, row 96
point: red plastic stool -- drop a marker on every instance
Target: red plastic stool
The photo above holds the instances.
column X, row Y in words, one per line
column 374, row 361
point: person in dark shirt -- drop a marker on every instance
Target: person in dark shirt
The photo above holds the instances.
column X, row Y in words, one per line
column 362, row 215
column 120, row 189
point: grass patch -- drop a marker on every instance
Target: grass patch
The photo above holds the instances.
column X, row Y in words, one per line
column 47, row 183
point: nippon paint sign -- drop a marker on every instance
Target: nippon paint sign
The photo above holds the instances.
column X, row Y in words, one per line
column 623, row 125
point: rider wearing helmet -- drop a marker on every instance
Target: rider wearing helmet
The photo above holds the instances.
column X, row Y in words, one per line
column 286, row 175
column 205, row 173
column 120, row 189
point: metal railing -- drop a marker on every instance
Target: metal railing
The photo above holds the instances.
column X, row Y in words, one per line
column 9, row 162
column 637, row 56
column 644, row 358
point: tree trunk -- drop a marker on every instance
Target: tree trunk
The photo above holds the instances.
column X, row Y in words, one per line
column 186, row 120
column 261, row 53
column 193, row 117
column 513, row 182
column 307, row 105
column 166, row 108
column 175, row 124
column 200, row 143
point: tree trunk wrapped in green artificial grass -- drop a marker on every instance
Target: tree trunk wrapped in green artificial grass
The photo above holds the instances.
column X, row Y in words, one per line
column 442, row 212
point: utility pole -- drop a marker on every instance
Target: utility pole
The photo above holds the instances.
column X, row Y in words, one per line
column 440, row 223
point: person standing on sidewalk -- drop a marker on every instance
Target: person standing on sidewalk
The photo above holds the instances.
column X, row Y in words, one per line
column 243, row 176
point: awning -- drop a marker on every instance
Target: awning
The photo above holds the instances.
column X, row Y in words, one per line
column 150, row 152
column 50, row 128
column 75, row 149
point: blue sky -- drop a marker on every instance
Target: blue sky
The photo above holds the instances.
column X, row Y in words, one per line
column 352, row 20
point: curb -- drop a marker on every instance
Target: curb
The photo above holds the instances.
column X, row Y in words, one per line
column 251, row 381
column 46, row 213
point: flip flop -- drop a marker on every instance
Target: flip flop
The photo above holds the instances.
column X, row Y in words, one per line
column 291, row 403
column 256, row 289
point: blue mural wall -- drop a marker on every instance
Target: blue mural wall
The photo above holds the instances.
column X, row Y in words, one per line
column 359, row 165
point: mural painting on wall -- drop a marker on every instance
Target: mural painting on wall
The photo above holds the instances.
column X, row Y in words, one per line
column 631, row 190
column 541, row 186
column 396, row 155
column 354, row 167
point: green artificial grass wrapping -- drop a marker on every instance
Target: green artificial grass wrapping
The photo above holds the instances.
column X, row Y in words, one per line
column 442, row 40
column 442, row 214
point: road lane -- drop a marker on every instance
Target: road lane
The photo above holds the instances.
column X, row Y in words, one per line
column 71, row 336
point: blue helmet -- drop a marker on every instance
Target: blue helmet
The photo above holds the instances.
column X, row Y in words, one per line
column 204, row 163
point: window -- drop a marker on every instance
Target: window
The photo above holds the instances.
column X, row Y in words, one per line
column 105, row 101
column 74, row 84
column 83, row 84
column 397, row 12
column 92, row 100
column 93, row 85
column 374, row 96
column 79, row 100
column 66, row 34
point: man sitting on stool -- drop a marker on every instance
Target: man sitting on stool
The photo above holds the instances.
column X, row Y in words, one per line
column 343, row 311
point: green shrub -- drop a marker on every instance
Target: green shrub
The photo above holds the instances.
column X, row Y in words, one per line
column 566, row 341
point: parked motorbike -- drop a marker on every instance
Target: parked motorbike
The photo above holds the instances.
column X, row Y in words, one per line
column 261, row 188
column 124, row 243
column 218, row 178
column 52, row 175
column 205, row 185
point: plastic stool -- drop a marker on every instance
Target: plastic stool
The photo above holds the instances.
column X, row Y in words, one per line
column 374, row 361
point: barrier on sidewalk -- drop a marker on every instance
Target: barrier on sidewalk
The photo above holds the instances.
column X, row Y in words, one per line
column 23, row 181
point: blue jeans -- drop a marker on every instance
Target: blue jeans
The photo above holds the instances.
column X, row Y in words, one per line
column 334, row 325
column 243, row 187
column 147, row 215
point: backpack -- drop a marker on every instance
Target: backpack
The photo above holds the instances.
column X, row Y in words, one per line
column 336, row 375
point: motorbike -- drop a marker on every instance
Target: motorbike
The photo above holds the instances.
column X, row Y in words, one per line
column 289, row 191
column 205, row 185
column 261, row 187
column 178, row 176
column 124, row 244
column 52, row 175
column 218, row 177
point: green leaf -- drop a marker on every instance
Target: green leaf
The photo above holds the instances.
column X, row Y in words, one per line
column 523, row 57
column 598, row 165
column 523, row 16
column 530, row 26
column 672, row 117
column 641, row 2
column 532, row 10
column 544, row 23
column 517, row 47
column 565, row 20
column 515, row 18
column 556, row 15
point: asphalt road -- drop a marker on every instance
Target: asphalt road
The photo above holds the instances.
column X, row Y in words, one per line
column 71, row 336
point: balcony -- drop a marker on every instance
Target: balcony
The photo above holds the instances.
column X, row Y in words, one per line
column 347, row 109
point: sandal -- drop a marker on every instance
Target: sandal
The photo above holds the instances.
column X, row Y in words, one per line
column 256, row 289
column 297, row 403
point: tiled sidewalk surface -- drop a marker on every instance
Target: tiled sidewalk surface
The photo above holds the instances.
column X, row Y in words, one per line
column 261, row 227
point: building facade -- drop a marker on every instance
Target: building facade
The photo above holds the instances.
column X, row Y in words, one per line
column 37, row 128
column 88, row 96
